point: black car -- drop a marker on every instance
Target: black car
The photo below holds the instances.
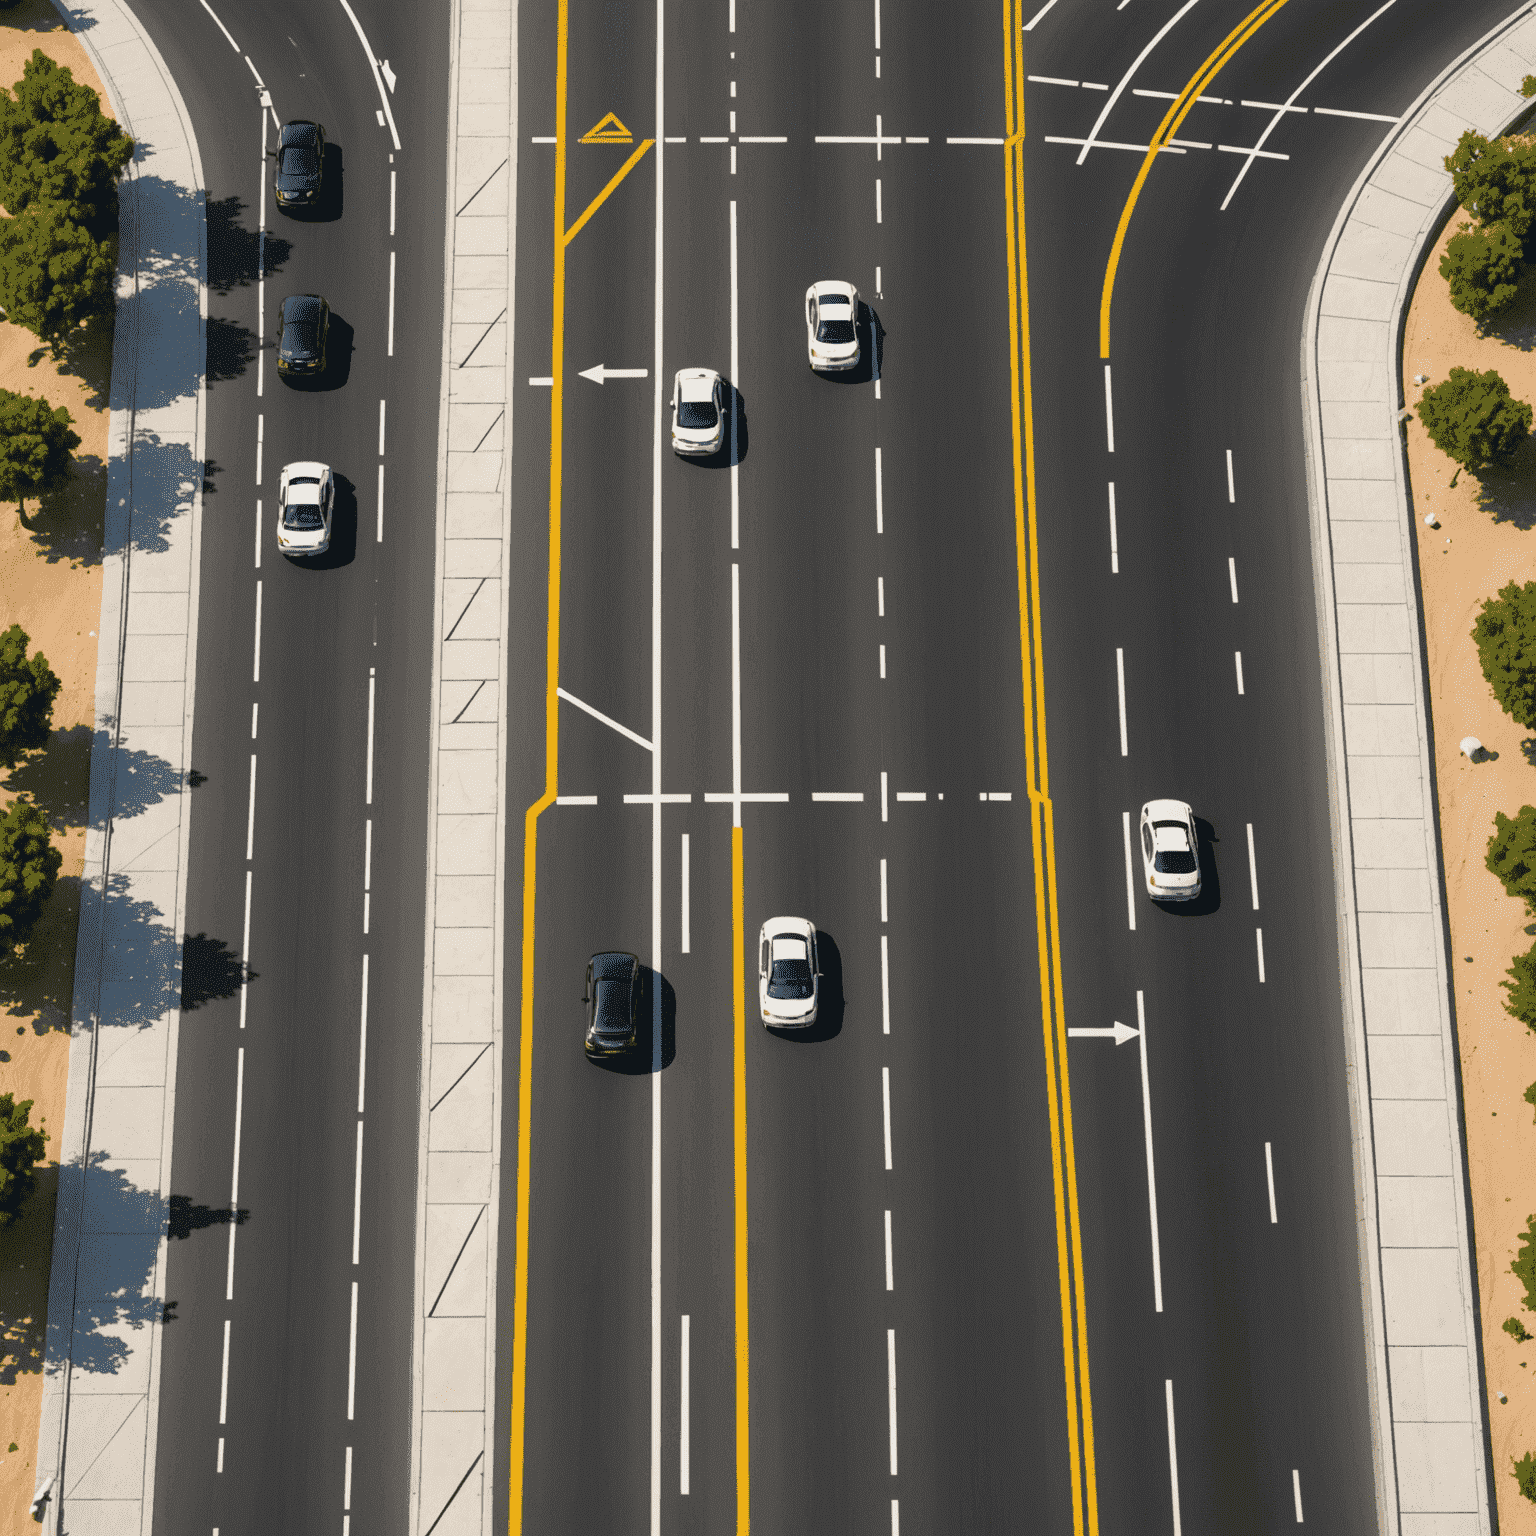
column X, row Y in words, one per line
column 613, row 1002
column 303, row 324
column 300, row 164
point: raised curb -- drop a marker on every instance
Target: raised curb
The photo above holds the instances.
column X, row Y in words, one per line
column 1418, row 1269
column 97, row 1438
column 458, row 1196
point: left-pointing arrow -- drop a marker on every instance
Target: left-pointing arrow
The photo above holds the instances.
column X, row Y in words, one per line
column 1120, row 1033
column 599, row 373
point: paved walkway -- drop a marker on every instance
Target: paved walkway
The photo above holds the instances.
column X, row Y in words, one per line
column 461, row 1108
column 100, row 1394
column 1417, row 1261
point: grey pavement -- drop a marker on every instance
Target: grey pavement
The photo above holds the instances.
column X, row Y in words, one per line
column 1417, row 1262
column 97, row 1438
column 461, row 1112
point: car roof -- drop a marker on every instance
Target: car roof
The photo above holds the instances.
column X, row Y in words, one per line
column 1167, row 810
column 832, row 288
column 613, row 965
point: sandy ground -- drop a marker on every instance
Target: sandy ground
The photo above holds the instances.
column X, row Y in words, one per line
column 50, row 584
column 1485, row 541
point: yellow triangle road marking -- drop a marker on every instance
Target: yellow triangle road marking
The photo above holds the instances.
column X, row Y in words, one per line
column 609, row 131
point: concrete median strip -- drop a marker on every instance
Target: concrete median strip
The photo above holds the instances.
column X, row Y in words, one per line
column 1418, row 1273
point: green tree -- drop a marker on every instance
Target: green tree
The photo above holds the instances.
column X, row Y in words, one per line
column 1512, row 853
column 28, row 688
column 1483, row 269
column 29, row 864
column 58, row 147
column 21, row 1146
column 1525, row 1475
column 35, row 444
column 1516, row 1330
column 1505, row 635
column 1495, row 181
column 1521, row 1001
column 54, row 275
column 1528, row 86
column 1471, row 418
column 1530, row 1095
column 1524, row 1266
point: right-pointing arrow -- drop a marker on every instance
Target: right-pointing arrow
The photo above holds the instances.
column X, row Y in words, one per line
column 1120, row 1033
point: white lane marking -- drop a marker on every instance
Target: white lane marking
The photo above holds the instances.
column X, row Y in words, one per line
column 895, row 1503
column 381, row 429
column 1269, row 1178
column 1114, row 534
column 234, row 1175
column 684, row 1448
column 368, row 788
column 1296, row 1490
column 597, row 714
column 747, row 797
column 686, row 929
column 546, row 382
column 885, row 983
column 1125, row 746
column 847, row 796
column 357, row 1196
column 1029, row 26
column 260, row 83
column 736, row 691
column 256, row 659
column 575, row 799
column 352, row 1359
column 877, row 66
column 914, row 795
column 1252, row 153
column 998, row 794
column 722, row 139
column 1253, row 870
column 885, row 1102
column 681, row 138
column 392, row 176
column 220, row 25
column 1130, row 879
column 250, row 816
column 258, row 533
column 1140, row 149
column 879, row 205
column 1271, row 106
column 346, row 1487
column 1052, row 80
column 1146, row 1124
column 245, row 950
column 1125, row 79
column 884, row 807
column 1289, row 100
column 973, row 141
column 1231, row 487
column 368, row 854
column 1109, row 409
column 880, row 596
column 261, row 434
column 651, row 799
column 1232, row 575
column 879, row 496
column 882, row 663
column 367, row 900
column 735, row 385
column 890, row 1369
column 877, row 28
column 1239, row 656
column 878, row 293
column 379, row 536
column 390, row 349
column 890, row 1265
column 884, row 910
column 362, row 1039
column 221, row 1453
column 1258, row 938
column 1369, row 117
column 1190, row 143
column 1173, row 1459
column 224, row 1378
column 254, row 708
column 373, row 64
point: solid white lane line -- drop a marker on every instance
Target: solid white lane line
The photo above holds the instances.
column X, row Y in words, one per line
column 381, row 417
column 879, row 497
column 686, row 934
column 885, row 1101
column 379, row 536
column 882, row 663
column 1129, row 75
column 884, row 907
column 245, row 949
column 390, row 349
column 1239, row 656
column 1130, row 879
column 261, row 434
column 658, row 268
column 1231, row 488
column 387, row 115
column 225, row 30
column 1296, row 1490
column 234, row 1174
column 392, row 205
column 1370, row 117
column 1173, row 1460
column 1146, row 1123
column 880, row 595
column 735, row 385
column 1125, row 748
column 1109, row 410
column 879, row 205
column 840, row 795
column 362, row 1039
column 250, row 815
column 254, row 708
column 1029, row 26
column 1269, row 1178
column 357, row 1196
column 684, row 1447
column 890, row 1264
column 736, row 691
column 372, row 683
column 346, row 1487
column 256, row 655
column 1271, row 106
column 890, row 1368
column 224, row 1378
column 352, row 1359
column 1114, row 534
column 884, row 808
column 1232, row 575
column 1052, row 80
column 885, row 983
column 1258, row 938
column 1253, row 870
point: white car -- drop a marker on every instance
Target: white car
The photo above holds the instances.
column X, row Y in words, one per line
column 787, row 976
column 305, row 496
column 1170, row 850
column 698, row 411
column 832, row 325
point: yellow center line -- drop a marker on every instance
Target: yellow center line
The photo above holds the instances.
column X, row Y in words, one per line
column 739, row 1074
column 603, row 196
column 1169, row 126
column 539, row 806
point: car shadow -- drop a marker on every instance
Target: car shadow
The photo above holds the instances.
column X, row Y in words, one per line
column 343, row 550
column 644, row 1058
column 733, row 449
column 871, row 351
column 1209, row 898
column 830, row 1004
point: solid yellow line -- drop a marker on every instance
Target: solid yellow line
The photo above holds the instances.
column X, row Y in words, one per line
column 539, row 806
column 739, row 1074
column 602, row 197
column 1169, row 126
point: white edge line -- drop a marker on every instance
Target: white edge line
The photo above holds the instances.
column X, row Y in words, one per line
column 1146, row 1117
column 373, row 64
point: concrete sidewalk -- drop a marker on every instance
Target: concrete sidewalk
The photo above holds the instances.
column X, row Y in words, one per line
column 1417, row 1265
column 100, row 1396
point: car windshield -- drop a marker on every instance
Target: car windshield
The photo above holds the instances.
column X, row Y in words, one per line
column 297, row 160
column 1175, row 862
column 835, row 330
column 790, row 979
column 303, row 515
column 697, row 413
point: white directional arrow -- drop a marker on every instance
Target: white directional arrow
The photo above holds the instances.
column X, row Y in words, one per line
column 1121, row 1033
column 389, row 75
column 599, row 373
